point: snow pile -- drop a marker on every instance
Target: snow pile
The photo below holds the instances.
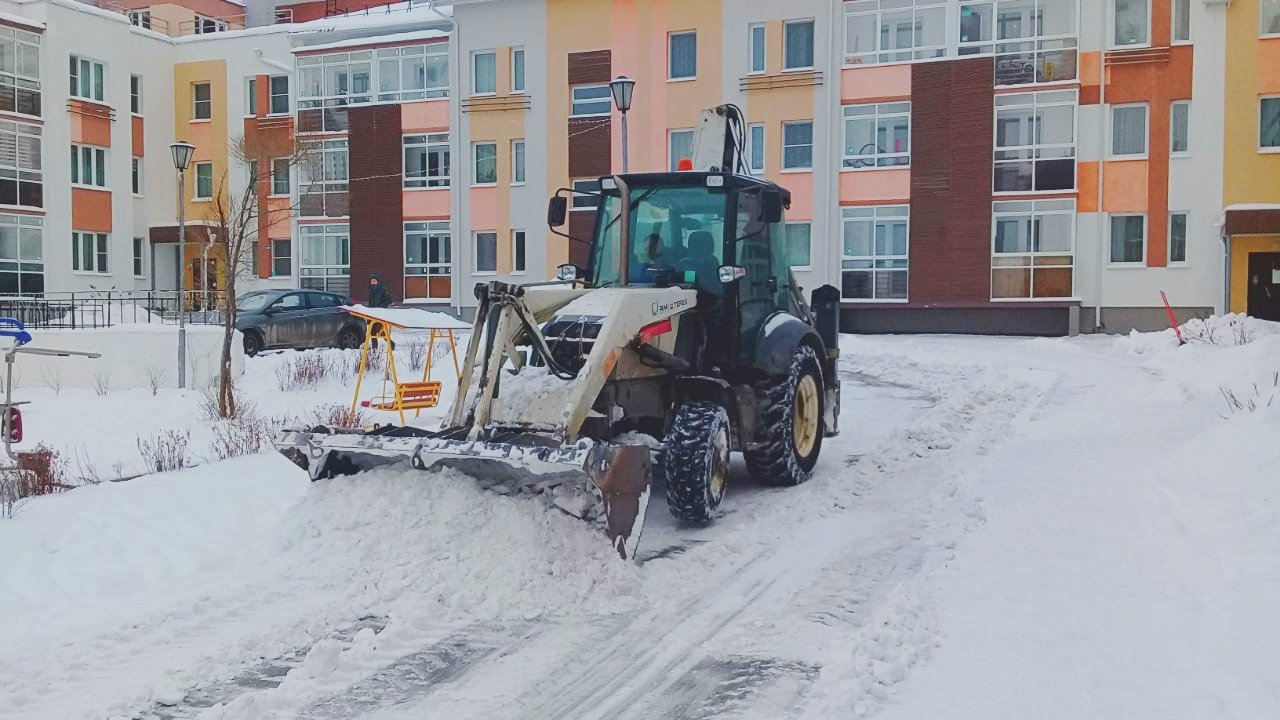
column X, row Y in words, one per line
column 1228, row 360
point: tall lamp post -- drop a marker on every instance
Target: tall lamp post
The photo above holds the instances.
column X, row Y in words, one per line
column 622, row 88
column 182, row 151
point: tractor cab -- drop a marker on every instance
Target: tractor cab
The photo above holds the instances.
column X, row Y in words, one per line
column 717, row 233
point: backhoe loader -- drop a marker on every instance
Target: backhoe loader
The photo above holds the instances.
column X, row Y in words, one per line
column 684, row 338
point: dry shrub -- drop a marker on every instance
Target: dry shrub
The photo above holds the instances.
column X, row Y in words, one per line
column 102, row 383
column 302, row 371
column 338, row 415
column 417, row 351
column 244, row 436
column 52, row 376
column 209, row 406
column 1262, row 397
column 166, row 451
column 156, row 379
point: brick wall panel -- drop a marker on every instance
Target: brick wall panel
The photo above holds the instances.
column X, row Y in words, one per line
column 377, row 215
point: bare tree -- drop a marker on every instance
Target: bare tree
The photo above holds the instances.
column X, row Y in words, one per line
column 234, row 217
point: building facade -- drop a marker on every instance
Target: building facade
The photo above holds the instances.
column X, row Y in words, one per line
column 1029, row 166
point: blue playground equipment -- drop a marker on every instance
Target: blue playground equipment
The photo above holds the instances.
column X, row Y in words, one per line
column 9, row 327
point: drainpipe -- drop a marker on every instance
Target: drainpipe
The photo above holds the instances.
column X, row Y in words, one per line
column 1226, row 266
column 1103, row 240
column 834, row 131
column 456, row 155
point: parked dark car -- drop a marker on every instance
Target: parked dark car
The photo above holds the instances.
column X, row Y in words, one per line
column 295, row 319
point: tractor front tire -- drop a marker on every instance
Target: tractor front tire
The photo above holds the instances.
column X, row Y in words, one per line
column 696, row 461
column 792, row 418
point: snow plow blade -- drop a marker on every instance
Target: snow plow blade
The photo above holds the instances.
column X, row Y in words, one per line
column 597, row 482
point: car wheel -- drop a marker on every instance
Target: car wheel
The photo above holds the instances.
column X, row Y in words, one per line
column 252, row 343
column 349, row 339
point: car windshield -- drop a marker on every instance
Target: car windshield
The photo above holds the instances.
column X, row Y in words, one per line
column 249, row 302
column 678, row 228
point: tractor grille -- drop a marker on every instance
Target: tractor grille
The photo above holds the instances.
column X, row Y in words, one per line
column 570, row 341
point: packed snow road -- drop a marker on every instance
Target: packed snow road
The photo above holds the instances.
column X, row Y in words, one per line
column 240, row 591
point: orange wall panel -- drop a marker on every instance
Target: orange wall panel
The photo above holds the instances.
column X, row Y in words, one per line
column 91, row 210
column 426, row 116
column 90, row 129
column 1125, row 188
column 426, row 204
column 1269, row 57
column 138, row 136
column 801, row 187
column 484, row 209
column 1181, row 66
column 1087, row 182
column 277, row 217
column 875, row 187
column 875, row 83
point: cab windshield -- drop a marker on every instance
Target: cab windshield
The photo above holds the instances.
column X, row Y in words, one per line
column 677, row 229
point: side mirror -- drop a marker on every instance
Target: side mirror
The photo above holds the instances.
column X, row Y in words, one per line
column 557, row 210
column 772, row 207
column 730, row 274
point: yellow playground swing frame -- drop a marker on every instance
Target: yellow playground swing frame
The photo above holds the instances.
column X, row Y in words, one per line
column 415, row 395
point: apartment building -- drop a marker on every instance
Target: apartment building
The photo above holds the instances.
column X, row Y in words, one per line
column 1034, row 166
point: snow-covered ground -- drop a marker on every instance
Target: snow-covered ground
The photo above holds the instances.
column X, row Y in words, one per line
column 1006, row 528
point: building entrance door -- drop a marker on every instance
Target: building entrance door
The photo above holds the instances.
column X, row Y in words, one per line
column 1264, row 286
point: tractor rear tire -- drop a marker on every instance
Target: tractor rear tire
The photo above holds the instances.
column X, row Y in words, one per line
column 696, row 461
column 793, row 420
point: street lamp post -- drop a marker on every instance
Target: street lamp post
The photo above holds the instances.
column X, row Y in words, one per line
column 182, row 151
column 622, row 88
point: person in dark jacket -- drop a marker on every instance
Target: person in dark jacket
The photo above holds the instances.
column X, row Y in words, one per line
column 379, row 297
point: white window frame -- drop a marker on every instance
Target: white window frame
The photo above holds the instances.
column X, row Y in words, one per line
column 813, row 60
column 95, row 67
column 475, row 75
column 136, row 176
column 23, row 80
column 880, row 56
column 1186, row 229
column 97, row 261
column 671, row 36
column 431, row 142
column 1146, row 240
column 752, row 147
column 97, row 180
column 1034, row 210
column 139, row 257
column 1036, row 100
column 887, row 213
column 432, row 231
column 205, row 25
column 389, row 69
column 1266, row 149
column 518, row 88
column 590, row 191
column 1146, row 132
column 331, row 275
column 787, row 242
column 1173, row 22
column 876, row 112
column 1111, row 28
column 1262, row 26
column 516, row 259
column 140, row 18
column 1173, row 128
column 26, row 168
column 196, row 101
column 475, row 252
column 250, row 96
column 195, row 185
column 276, row 257
column 275, row 175
column 27, row 230
column 519, row 162
column 1040, row 46
column 672, row 160
column 312, row 87
column 475, row 164
column 272, row 95
column 751, row 48
column 315, row 178
column 607, row 99
column 135, row 95
column 797, row 168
